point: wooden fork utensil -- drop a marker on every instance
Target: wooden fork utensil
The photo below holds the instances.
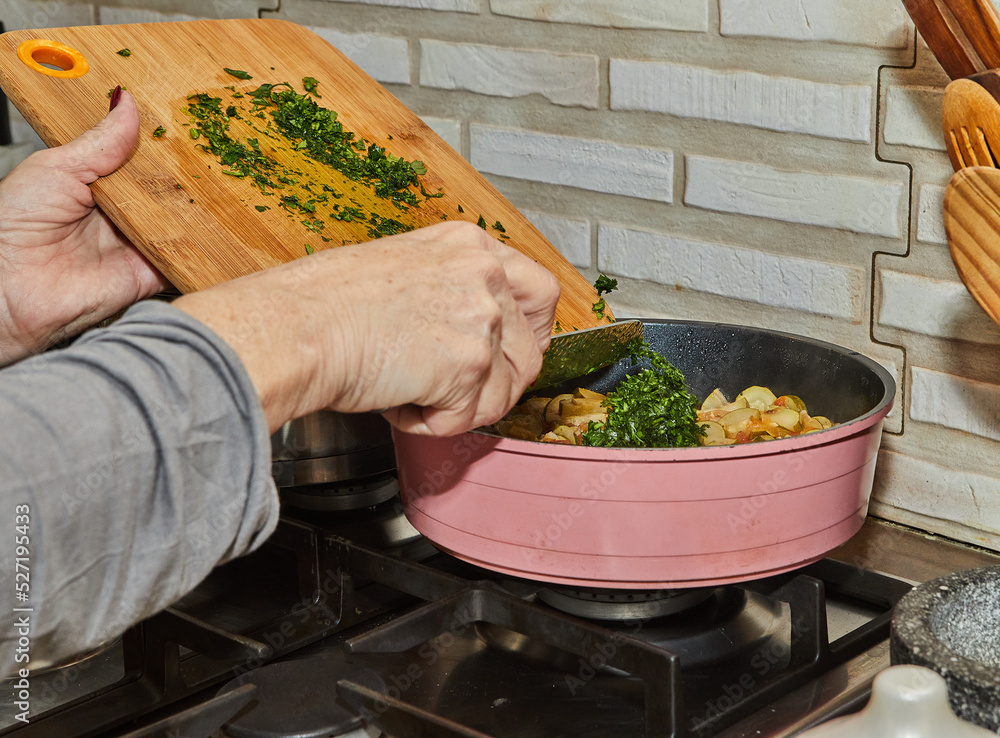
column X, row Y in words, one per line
column 971, row 118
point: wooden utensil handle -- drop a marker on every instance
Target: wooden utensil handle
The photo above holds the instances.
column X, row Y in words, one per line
column 944, row 38
column 981, row 24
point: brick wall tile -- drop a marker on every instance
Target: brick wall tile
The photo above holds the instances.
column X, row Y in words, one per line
column 815, row 198
column 386, row 58
column 955, row 402
column 564, row 79
column 933, row 307
column 913, row 117
column 877, row 23
column 18, row 15
column 675, row 15
column 743, row 274
column 571, row 236
column 457, row 6
column 448, row 129
column 959, row 503
column 776, row 103
column 930, row 216
column 601, row 166
column 114, row 16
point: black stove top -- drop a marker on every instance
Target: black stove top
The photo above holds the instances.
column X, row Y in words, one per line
column 410, row 641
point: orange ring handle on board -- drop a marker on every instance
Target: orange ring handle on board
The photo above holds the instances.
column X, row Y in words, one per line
column 37, row 52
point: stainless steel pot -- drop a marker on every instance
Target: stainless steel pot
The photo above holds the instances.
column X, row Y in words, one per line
column 327, row 447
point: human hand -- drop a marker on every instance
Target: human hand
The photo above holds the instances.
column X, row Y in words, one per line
column 444, row 325
column 63, row 264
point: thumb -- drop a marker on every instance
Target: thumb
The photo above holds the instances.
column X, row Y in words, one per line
column 104, row 147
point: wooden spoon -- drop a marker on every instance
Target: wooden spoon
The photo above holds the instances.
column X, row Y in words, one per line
column 972, row 222
column 981, row 25
column 945, row 37
column 971, row 119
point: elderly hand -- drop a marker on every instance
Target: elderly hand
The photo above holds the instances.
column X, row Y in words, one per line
column 445, row 325
column 63, row 264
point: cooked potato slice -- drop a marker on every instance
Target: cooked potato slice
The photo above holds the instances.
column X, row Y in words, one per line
column 783, row 417
column 588, row 394
column 790, row 401
column 741, row 420
column 714, row 433
column 581, row 406
column 552, row 416
column 760, row 398
column 714, row 400
column 536, row 405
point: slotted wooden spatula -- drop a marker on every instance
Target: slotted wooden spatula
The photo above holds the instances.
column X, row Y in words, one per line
column 189, row 211
column 971, row 119
column 972, row 222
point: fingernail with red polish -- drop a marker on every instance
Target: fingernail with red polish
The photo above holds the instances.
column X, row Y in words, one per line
column 116, row 97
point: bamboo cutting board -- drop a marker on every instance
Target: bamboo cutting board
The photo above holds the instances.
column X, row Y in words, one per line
column 200, row 226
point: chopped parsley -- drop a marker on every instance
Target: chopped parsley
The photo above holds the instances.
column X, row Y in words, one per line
column 238, row 73
column 159, row 132
column 652, row 408
column 605, row 285
column 124, row 52
column 310, row 84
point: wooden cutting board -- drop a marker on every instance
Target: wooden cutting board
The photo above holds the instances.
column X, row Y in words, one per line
column 200, row 226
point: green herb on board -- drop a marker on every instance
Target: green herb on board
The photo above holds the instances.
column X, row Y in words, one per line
column 261, row 208
column 238, row 73
column 461, row 209
column 649, row 409
column 297, row 123
column 599, row 307
column 498, row 226
column 310, row 250
column 310, row 84
column 159, row 132
column 481, row 222
column 605, row 285
column 124, row 52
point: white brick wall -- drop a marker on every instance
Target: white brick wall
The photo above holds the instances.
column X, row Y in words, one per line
column 458, row 6
column 879, row 23
column 386, row 58
column 810, row 197
column 729, row 271
column 113, row 16
column 961, row 503
column 565, row 79
column 673, row 15
column 932, row 307
column 913, row 117
column 449, row 130
column 955, row 402
column 596, row 165
column 778, row 103
column 571, row 236
column 20, row 14
column 930, row 217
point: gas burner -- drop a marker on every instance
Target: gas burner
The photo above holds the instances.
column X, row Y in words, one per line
column 298, row 699
column 725, row 626
column 622, row 605
column 352, row 495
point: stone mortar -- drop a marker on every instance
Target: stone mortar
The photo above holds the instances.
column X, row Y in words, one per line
column 952, row 625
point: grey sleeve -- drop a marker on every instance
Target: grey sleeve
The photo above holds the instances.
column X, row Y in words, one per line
column 132, row 462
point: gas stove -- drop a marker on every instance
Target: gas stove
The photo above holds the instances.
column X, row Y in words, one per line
column 348, row 623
